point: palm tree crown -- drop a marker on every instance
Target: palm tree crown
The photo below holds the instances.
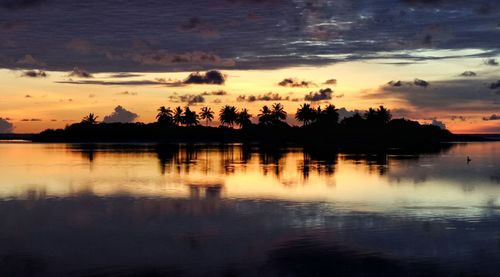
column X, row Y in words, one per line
column 272, row 116
column 164, row 115
column 207, row 114
column 381, row 115
column 265, row 116
column 190, row 118
column 278, row 112
column 228, row 115
column 305, row 114
column 329, row 115
column 243, row 118
column 178, row 116
column 90, row 119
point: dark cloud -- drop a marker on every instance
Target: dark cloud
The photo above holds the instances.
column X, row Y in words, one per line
column 212, row 77
column 217, row 93
column 165, row 58
column 454, row 95
column 263, row 97
column 34, row 74
column 254, row 1
column 124, row 75
column 495, row 85
column 20, row 4
column 5, row 126
column 458, row 117
column 122, row 83
column 322, row 94
column 190, row 99
column 191, row 24
column 120, row 114
column 294, row 83
column 79, row 45
column 423, row 1
column 417, row 82
column 400, row 112
column 303, row 33
column 492, row 117
column 332, row 82
column 395, row 83
column 421, row 83
column 127, row 93
column 487, row 9
column 13, row 26
column 80, row 73
column 492, row 62
column 468, row 74
column 199, row 26
column 31, row 119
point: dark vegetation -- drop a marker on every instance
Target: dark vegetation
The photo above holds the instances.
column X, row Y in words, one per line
column 320, row 127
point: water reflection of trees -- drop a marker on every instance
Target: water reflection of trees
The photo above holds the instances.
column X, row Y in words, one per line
column 322, row 161
column 373, row 162
column 230, row 159
column 271, row 160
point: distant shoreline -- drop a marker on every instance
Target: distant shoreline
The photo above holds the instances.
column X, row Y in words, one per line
column 32, row 138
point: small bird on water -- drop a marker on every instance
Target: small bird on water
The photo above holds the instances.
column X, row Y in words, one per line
column 468, row 159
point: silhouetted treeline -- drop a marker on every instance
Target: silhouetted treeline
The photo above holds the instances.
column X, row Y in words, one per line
column 321, row 127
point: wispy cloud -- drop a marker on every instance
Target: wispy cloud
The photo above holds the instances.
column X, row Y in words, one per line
column 294, row 83
column 417, row 82
column 34, row 74
column 263, row 97
column 190, row 99
column 492, row 117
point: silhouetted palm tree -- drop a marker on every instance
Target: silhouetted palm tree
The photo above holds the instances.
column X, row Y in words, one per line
column 378, row 116
column 90, row 119
column 178, row 116
column 228, row 115
column 207, row 114
column 164, row 115
column 278, row 112
column 329, row 115
column 305, row 114
column 371, row 114
column 384, row 114
column 265, row 116
column 190, row 118
column 243, row 118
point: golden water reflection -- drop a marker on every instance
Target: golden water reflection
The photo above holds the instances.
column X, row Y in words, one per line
column 440, row 182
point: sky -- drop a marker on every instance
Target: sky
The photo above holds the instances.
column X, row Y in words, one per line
column 435, row 61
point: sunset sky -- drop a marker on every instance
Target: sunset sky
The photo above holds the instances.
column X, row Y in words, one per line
column 435, row 61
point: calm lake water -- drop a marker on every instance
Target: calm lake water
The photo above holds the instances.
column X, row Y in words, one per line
column 234, row 210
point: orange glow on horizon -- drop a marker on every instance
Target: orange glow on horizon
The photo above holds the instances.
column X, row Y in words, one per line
column 34, row 104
